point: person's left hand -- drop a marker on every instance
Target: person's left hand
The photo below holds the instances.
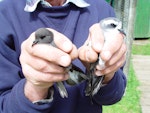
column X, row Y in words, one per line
column 112, row 52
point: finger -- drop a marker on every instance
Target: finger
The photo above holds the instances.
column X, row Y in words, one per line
column 61, row 41
column 96, row 37
column 34, row 75
column 52, row 54
column 40, row 64
column 111, row 45
column 117, row 55
column 87, row 54
column 111, row 68
column 74, row 53
column 48, row 53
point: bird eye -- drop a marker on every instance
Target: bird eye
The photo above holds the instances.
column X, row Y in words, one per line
column 42, row 37
column 113, row 25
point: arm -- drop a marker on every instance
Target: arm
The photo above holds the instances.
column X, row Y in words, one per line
column 49, row 67
column 12, row 82
column 12, row 98
column 113, row 91
column 112, row 53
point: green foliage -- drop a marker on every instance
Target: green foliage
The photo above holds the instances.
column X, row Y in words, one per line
column 141, row 49
column 130, row 101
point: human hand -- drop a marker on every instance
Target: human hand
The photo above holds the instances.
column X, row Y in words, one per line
column 42, row 64
column 112, row 52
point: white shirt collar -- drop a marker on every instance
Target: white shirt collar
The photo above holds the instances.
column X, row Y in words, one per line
column 31, row 5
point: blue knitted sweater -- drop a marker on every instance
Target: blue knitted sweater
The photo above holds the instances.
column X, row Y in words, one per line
column 16, row 25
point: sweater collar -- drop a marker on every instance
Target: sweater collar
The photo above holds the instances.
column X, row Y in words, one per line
column 31, row 5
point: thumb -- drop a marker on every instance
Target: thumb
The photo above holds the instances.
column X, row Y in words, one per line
column 62, row 42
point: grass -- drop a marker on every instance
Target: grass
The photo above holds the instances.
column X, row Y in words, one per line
column 130, row 101
column 141, row 49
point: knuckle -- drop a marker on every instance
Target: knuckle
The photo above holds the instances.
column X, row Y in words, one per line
column 41, row 66
column 120, row 63
column 106, row 71
column 124, row 47
column 22, row 45
column 21, row 59
column 93, row 27
column 54, row 77
column 26, row 70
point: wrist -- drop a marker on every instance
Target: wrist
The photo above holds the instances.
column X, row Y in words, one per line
column 108, row 78
column 34, row 92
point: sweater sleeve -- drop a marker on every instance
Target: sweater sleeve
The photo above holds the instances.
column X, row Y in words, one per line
column 12, row 98
column 113, row 91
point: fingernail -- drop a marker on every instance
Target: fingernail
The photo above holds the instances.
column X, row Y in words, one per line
column 67, row 46
column 98, row 73
column 64, row 61
column 98, row 46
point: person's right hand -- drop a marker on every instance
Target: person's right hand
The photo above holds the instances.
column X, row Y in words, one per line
column 43, row 64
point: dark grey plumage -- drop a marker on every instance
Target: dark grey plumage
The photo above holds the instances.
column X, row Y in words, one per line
column 110, row 26
column 44, row 36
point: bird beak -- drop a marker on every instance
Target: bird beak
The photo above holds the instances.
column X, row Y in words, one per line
column 34, row 42
column 121, row 31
